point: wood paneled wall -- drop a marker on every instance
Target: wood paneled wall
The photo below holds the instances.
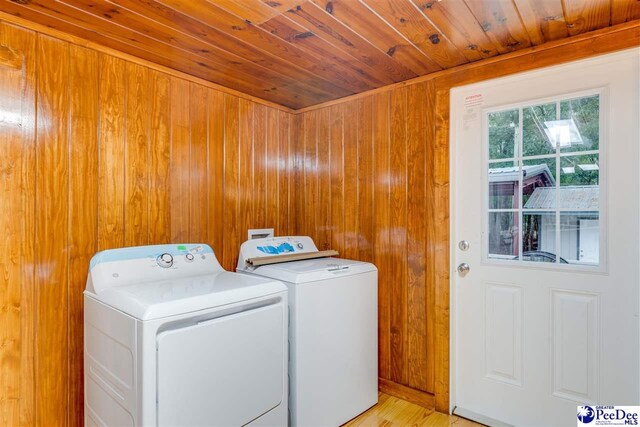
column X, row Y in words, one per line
column 366, row 177
column 97, row 152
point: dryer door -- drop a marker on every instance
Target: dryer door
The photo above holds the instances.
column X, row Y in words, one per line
column 225, row 371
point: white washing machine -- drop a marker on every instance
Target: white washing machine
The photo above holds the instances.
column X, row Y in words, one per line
column 333, row 331
column 172, row 339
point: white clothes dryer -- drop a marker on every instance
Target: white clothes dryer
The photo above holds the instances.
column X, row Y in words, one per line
column 333, row 331
column 171, row 338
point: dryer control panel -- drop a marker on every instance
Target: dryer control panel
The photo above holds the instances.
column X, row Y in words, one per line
column 118, row 267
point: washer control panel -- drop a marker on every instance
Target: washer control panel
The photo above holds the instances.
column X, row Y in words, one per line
column 271, row 246
column 281, row 245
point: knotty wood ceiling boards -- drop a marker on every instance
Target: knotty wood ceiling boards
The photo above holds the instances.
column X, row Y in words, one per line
column 299, row 53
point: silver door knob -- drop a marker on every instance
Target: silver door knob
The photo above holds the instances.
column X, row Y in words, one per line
column 463, row 268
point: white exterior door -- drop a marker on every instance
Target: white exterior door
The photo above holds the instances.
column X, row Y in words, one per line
column 545, row 192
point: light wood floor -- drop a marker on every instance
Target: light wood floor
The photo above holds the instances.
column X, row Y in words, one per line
column 393, row 412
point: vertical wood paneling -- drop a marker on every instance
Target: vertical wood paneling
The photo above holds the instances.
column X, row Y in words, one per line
column 430, row 234
column 17, row 151
column 11, row 84
column 231, row 181
column 398, row 237
column 198, row 120
column 112, row 109
column 271, row 161
column 136, row 173
column 83, row 207
column 52, row 210
column 323, row 211
column 382, row 214
column 180, row 159
column 416, row 284
column 159, row 158
column 350, row 180
column 259, row 162
column 441, row 249
column 216, row 171
column 309, row 193
column 245, row 171
column 121, row 155
column 336, row 170
column 297, row 171
column 25, row 41
column 365, row 235
column 285, row 218
column 378, row 172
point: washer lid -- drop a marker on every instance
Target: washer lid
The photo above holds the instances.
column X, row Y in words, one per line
column 154, row 300
column 312, row 270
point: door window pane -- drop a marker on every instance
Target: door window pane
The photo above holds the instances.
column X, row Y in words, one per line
column 503, row 184
column 539, row 183
column 579, row 182
column 580, row 237
column 503, row 235
column 503, row 134
column 580, row 170
column 539, row 236
column 584, row 115
column 535, row 138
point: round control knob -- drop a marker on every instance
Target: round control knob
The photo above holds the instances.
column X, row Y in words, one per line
column 300, row 246
column 189, row 257
column 165, row 260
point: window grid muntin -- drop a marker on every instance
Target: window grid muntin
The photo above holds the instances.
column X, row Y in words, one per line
column 547, row 156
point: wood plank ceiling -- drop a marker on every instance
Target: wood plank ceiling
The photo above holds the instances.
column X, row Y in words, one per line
column 303, row 52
